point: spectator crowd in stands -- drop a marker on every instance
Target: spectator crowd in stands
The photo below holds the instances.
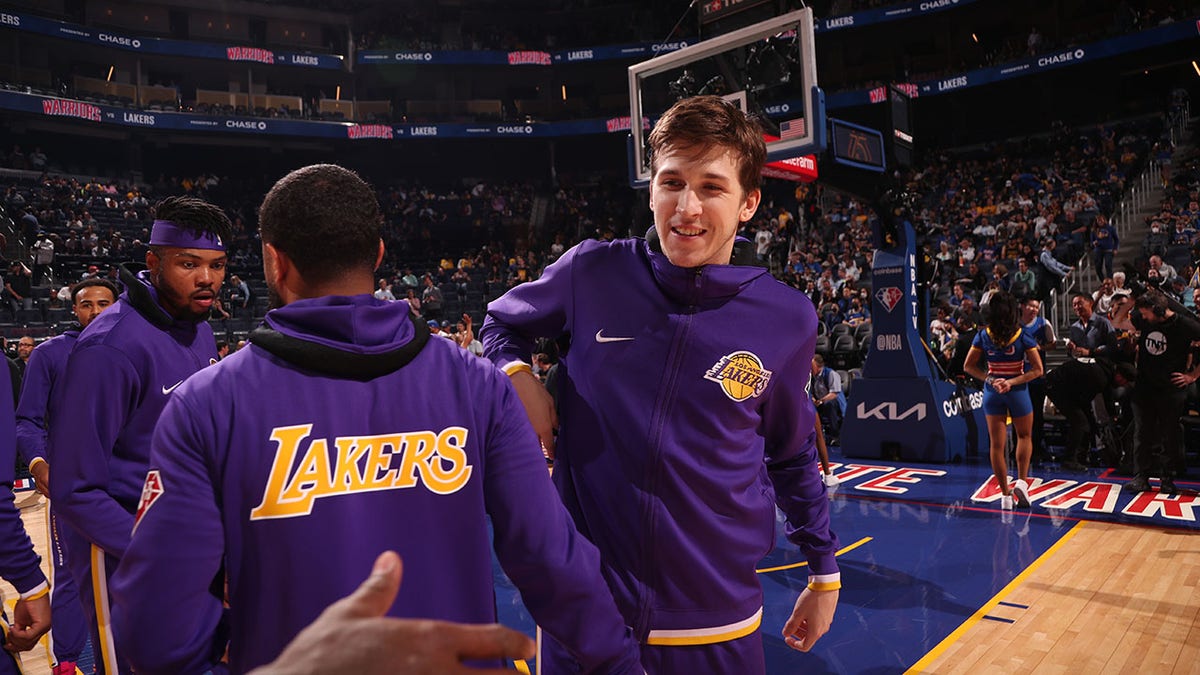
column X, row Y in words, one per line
column 997, row 217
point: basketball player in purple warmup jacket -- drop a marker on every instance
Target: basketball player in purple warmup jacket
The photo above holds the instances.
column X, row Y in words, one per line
column 343, row 431
column 46, row 363
column 19, row 565
column 685, row 415
column 124, row 368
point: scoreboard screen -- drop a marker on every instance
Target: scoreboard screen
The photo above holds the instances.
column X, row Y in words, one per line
column 857, row 146
column 711, row 10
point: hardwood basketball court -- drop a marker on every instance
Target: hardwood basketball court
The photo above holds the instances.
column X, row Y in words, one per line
column 1057, row 592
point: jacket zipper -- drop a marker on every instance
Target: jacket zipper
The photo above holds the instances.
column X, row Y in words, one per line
column 654, row 465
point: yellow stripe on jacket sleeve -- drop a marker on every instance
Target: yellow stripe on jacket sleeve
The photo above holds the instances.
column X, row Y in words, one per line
column 515, row 367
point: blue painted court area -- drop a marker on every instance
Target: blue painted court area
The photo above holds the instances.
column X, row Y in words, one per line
column 923, row 548
column 916, row 573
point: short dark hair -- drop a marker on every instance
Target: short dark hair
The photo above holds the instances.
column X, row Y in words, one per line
column 1153, row 300
column 94, row 281
column 325, row 218
column 195, row 215
column 709, row 121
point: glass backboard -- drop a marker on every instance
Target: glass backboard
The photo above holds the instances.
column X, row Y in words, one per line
column 769, row 69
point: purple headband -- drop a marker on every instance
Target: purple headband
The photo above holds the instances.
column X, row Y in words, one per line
column 166, row 233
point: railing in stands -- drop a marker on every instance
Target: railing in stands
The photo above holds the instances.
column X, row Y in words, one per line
column 1124, row 219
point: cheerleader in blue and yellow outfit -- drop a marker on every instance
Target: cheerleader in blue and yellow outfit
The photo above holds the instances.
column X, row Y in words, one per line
column 1012, row 361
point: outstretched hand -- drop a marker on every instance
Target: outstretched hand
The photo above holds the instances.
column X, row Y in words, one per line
column 353, row 635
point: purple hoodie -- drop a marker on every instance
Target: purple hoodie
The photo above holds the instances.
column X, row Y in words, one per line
column 124, row 368
column 685, row 419
column 46, row 364
column 341, row 432
column 18, row 563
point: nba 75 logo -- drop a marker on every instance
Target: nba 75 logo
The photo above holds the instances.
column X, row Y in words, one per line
column 889, row 297
column 152, row 489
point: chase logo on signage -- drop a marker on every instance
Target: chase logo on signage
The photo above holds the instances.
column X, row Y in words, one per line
column 1064, row 57
column 120, row 41
column 889, row 297
column 250, row 125
column 668, row 46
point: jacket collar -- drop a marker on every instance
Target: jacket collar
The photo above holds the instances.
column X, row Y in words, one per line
column 143, row 297
column 706, row 285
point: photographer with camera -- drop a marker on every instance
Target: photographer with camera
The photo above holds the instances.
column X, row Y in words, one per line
column 1073, row 388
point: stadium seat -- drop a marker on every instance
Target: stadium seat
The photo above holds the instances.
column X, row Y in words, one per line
column 854, row 373
column 822, row 347
column 845, row 352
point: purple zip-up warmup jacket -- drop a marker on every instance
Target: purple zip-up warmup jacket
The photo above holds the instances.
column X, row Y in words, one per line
column 46, row 364
column 684, row 420
column 124, row 368
column 343, row 431
column 19, row 565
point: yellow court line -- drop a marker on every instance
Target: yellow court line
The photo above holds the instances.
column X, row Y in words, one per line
column 991, row 604
column 522, row 667
column 849, row 548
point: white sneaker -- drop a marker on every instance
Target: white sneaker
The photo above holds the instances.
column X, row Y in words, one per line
column 1023, row 530
column 1006, row 503
column 830, row 480
column 1021, row 493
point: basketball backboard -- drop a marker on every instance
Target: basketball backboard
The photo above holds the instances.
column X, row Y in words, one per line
column 768, row 69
